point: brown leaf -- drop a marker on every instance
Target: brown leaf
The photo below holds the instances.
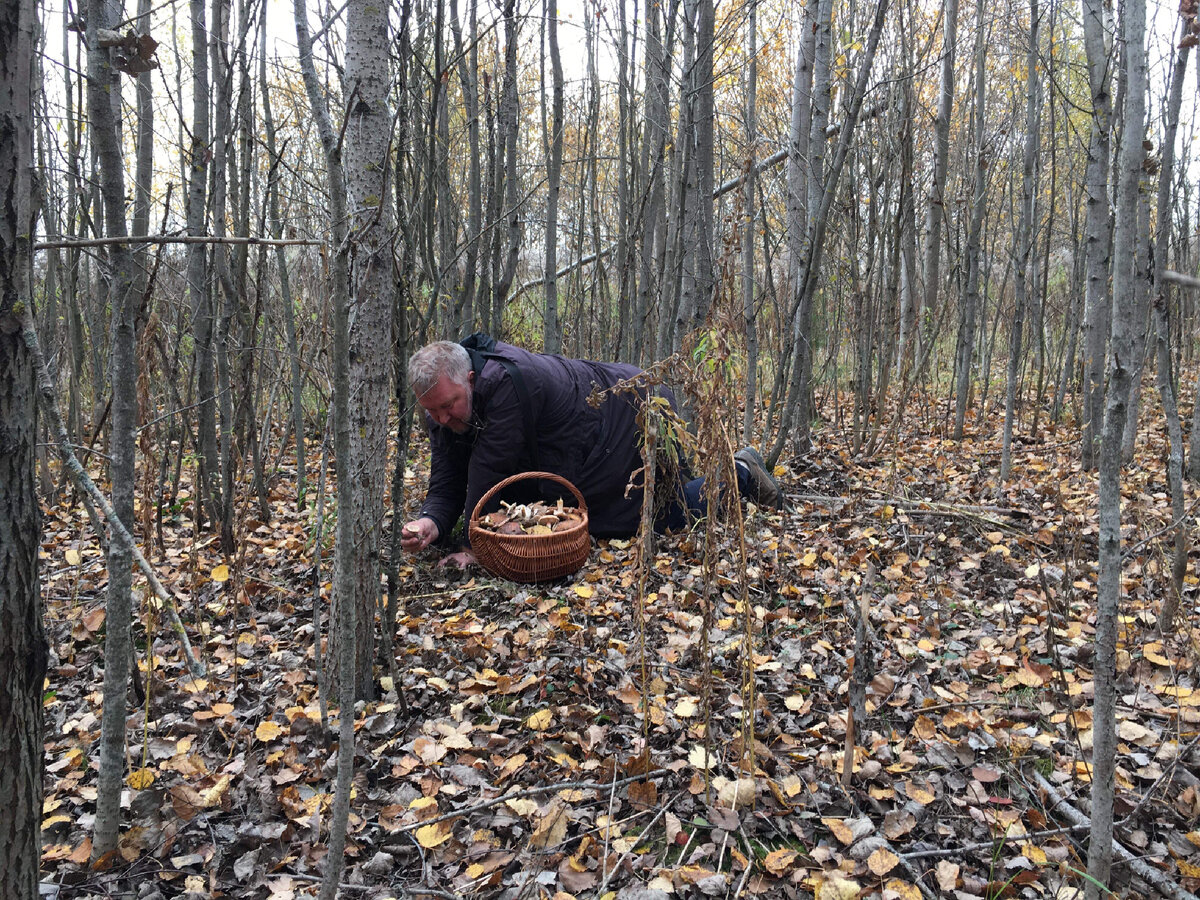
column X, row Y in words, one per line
column 552, row 829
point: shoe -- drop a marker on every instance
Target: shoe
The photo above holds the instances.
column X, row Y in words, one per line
column 764, row 489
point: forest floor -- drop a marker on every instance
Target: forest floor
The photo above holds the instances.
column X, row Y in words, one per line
column 542, row 754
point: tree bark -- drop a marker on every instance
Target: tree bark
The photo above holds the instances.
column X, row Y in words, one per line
column 1023, row 240
column 104, row 94
column 1097, row 38
column 368, row 132
column 1162, row 328
column 935, row 211
column 552, row 329
column 23, row 648
column 344, row 581
column 287, row 304
column 749, row 313
column 1108, row 590
column 964, row 351
column 796, row 408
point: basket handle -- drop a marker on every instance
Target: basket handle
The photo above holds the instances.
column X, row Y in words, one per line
column 521, row 476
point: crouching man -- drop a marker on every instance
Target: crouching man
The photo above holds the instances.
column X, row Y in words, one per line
column 494, row 410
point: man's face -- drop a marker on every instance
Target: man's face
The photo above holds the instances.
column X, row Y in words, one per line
column 449, row 403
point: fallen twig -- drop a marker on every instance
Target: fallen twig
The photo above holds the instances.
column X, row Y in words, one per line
column 1160, row 881
column 529, row 792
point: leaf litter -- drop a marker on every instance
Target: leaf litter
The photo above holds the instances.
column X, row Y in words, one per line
column 539, row 757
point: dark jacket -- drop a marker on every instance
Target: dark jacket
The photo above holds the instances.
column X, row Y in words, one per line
column 595, row 449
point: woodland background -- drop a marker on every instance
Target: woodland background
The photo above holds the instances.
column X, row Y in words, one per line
column 937, row 259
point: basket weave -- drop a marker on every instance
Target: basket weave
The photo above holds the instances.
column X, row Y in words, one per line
column 530, row 557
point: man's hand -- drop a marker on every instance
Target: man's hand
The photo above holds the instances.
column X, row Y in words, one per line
column 462, row 559
column 418, row 534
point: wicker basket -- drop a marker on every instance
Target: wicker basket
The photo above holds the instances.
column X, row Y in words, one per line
column 530, row 557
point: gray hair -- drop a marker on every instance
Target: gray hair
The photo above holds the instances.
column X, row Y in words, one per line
column 433, row 362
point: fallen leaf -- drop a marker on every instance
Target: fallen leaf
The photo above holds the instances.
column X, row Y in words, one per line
column 430, row 836
column 838, row 888
column 140, row 779
column 779, row 862
column 552, row 829
column 540, row 720
column 882, row 861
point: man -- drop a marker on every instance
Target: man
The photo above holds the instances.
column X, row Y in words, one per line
column 494, row 410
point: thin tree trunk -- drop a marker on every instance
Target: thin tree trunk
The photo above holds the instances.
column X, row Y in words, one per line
column 344, row 582
column 1108, row 590
column 368, row 134
column 197, row 266
column 1097, row 38
column 812, row 248
column 935, row 211
column 970, row 304
column 104, row 92
column 468, row 69
column 23, row 648
column 1161, row 309
column 748, row 220
column 286, row 302
column 1023, row 239
column 552, row 329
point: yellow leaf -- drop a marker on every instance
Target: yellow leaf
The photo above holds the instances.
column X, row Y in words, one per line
column 267, row 731
column 140, row 779
column 686, row 708
column 1154, row 653
column 71, row 555
column 540, row 720
column 882, row 861
column 901, row 890
column 1034, row 854
column 430, row 836
column 222, row 709
column 220, row 573
column 919, row 793
column 1187, row 869
column 779, row 862
column 840, row 830
column 584, row 590
column 552, row 829
column 213, row 795
column 522, row 806
column 838, row 888
column 700, row 758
